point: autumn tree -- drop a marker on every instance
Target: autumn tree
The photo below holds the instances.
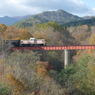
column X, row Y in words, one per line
column 2, row 29
column 92, row 39
column 24, row 34
column 14, row 33
column 47, row 85
column 80, row 33
column 21, row 67
column 17, row 87
column 41, row 35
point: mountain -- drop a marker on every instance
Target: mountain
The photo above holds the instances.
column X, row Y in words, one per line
column 88, row 17
column 11, row 20
column 90, row 22
column 59, row 16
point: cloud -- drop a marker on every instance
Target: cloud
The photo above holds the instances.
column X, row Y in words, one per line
column 29, row 7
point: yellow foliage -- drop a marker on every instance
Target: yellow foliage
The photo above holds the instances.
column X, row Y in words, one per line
column 2, row 28
column 79, row 52
column 16, row 85
column 92, row 39
column 1, row 61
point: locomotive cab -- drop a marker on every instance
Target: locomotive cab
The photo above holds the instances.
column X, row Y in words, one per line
column 33, row 40
column 37, row 41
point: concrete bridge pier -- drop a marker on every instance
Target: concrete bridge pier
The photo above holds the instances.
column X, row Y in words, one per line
column 66, row 58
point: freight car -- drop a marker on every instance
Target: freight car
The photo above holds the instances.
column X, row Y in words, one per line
column 30, row 42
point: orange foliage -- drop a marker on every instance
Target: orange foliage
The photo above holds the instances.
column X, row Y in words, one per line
column 24, row 34
column 14, row 33
column 41, row 68
column 11, row 33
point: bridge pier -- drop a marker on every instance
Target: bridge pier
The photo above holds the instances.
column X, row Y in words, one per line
column 66, row 58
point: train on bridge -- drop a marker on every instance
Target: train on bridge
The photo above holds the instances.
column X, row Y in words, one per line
column 40, row 44
column 30, row 42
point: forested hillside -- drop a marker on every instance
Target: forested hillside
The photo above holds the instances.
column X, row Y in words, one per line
column 90, row 22
column 42, row 72
column 59, row 16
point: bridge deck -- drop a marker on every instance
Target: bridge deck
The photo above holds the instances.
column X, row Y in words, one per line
column 55, row 47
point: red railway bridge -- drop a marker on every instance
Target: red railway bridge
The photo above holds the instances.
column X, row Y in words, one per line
column 77, row 47
column 65, row 48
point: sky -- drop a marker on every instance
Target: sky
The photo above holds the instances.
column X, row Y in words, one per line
column 31, row 7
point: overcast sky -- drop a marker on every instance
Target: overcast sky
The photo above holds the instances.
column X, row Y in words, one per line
column 30, row 7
